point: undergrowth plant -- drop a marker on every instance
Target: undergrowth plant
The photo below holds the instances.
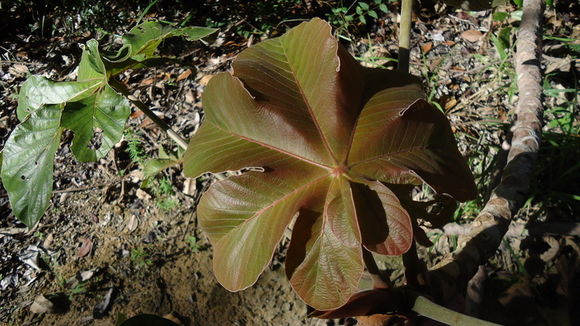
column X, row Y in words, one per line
column 345, row 18
column 94, row 107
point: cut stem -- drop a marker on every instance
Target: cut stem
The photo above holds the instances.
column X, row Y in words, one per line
column 120, row 87
column 405, row 35
column 430, row 309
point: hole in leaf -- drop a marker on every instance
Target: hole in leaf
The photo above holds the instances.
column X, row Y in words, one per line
column 97, row 139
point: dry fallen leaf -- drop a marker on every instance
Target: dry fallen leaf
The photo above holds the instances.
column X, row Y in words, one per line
column 189, row 97
column 48, row 241
column 101, row 308
column 557, row 64
column 471, row 35
column 204, row 80
column 41, row 305
column 146, row 82
column 173, row 318
column 427, row 47
column 133, row 223
column 189, row 187
column 85, row 248
column 184, row 75
column 142, row 194
column 18, row 70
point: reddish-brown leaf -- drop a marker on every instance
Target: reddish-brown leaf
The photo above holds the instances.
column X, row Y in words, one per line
column 326, row 132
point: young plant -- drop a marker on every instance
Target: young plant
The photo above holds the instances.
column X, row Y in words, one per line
column 94, row 107
column 334, row 143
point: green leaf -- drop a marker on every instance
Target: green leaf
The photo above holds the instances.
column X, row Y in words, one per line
column 363, row 5
column 500, row 16
column 103, row 113
column 325, row 132
column 373, row 14
column 142, row 40
column 91, row 66
column 28, row 162
column 154, row 166
column 383, row 8
column 502, row 42
column 37, row 91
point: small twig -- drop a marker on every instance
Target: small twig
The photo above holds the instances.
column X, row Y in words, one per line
column 81, row 188
column 92, row 187
column 120, row 87
column 20, row 62
column 405, row 35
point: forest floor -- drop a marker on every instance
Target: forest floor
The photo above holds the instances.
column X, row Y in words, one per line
column 111, row 246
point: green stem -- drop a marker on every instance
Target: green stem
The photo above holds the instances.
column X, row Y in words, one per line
column 119, row 87
column 405, row 35
column 429, row 309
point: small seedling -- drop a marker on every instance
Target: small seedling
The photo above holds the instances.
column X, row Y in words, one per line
column 134, row 147
column 141, row 258
column 192, row 242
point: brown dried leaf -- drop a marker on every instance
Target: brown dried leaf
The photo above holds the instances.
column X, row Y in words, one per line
column 146, row 82
column 203, row 81
column 85, row 248
column 41, row 305
column 133, row 223
column 471, row 35
column 184, row 75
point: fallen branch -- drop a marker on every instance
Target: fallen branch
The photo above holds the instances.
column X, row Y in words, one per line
column 451, row 275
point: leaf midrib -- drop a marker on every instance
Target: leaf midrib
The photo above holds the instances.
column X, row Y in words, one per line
column 387, row 155
column 301, row 158
column 308, row 107
column 275, row 202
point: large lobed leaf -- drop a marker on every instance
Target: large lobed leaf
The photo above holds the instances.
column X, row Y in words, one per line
column 92, row 109
column 142, row 40
column 37, row 91
column 28, row 163
column 328, row 134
